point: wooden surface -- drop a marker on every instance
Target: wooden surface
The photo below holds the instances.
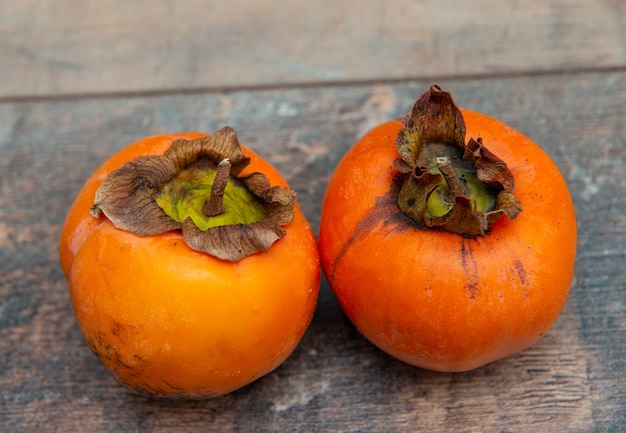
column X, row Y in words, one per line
column 300, row 82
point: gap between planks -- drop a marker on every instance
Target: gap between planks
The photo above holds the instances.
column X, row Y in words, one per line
column 305, row 84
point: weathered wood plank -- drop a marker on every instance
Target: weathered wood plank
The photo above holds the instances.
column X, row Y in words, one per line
column 572, row 380
column 85, row 47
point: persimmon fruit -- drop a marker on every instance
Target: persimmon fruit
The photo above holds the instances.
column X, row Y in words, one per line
column 165, row 317
column 444, row 269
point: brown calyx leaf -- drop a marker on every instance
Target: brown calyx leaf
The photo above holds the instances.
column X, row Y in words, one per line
column 490, row 169
column 129, row 197
column 418, row 185
column 462, row 217
column 433, row 118
column 211, row 150
column 509, row 204
column 232, row 242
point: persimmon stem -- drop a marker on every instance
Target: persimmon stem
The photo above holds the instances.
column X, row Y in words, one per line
column 455, row 188
column 214, row 206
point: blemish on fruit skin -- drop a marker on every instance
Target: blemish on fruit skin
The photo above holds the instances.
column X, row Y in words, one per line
column 115, row 329
column 470, row 268
column 522, row 275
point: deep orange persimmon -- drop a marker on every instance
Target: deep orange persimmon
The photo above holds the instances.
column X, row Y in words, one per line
column 167, row 320
column 441, row 300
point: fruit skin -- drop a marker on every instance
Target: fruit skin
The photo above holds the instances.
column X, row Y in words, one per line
column 439, row 300
column 169, row 321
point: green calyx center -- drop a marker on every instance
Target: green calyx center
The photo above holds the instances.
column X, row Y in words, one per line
column 193, row 191
column 459, row 179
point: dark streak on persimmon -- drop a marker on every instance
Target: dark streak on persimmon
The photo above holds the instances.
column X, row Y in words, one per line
column 176, row 388
column 522, row 275
column 385, row 212
column 115, row 329
column 121, row 363
column 470, row 267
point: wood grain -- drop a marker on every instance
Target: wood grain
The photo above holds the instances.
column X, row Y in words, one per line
column 50, row 48
column 571, row 380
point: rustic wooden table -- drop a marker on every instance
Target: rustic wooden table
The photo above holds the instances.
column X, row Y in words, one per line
column 300, row 82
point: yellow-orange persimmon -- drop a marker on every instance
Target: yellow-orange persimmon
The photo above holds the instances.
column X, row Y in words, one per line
column 423, row 293
column 172, row 321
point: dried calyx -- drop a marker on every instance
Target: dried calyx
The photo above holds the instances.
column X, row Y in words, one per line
column 448, row 185
column 195, row 187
